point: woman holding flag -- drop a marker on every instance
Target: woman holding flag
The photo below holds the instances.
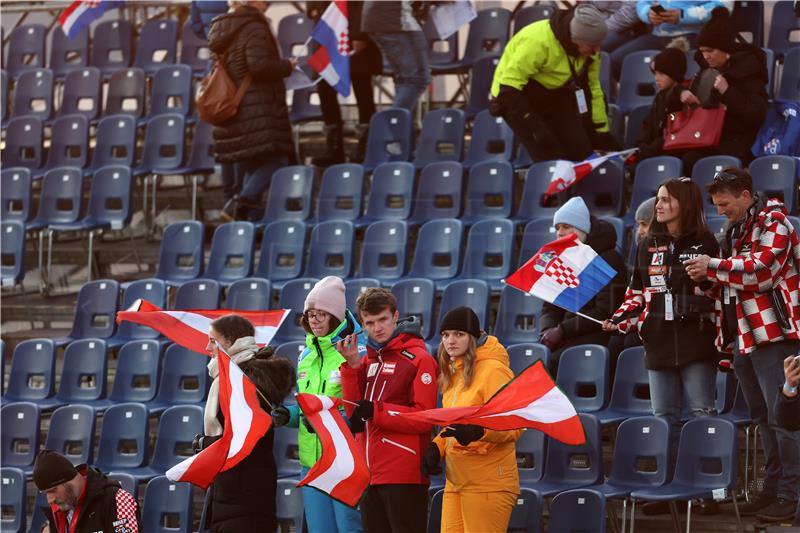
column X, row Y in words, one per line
column 482, row 477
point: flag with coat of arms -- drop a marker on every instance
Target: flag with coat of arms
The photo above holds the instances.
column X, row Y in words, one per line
column 78, row 15
column 330, row 47
column 565, row 174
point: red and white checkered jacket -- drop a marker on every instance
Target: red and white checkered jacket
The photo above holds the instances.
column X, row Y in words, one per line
column 762, row 273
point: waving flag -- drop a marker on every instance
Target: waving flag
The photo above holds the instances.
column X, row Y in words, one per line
column 530, row 400
column 79, row 15
column 245, row 423
column 341, row 471
column 331, row 59
column 190, row 328
column 567, row 173
column 565, row 272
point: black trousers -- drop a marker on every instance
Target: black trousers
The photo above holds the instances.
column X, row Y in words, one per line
column 395, row 509
column 362, row 66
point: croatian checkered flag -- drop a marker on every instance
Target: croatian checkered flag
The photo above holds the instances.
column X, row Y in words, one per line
column 331, row 36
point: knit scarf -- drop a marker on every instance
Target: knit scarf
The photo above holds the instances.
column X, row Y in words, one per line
column 242, row 350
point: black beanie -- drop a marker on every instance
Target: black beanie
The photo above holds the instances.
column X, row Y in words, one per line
column 52, row 469
column 718, row 32
column 671, row 62
column 461, row 319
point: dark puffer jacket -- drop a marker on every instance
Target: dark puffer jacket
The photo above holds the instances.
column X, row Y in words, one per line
column 261, row 127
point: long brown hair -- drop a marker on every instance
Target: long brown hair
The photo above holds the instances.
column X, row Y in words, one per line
column 690, row 203
column 448, row 371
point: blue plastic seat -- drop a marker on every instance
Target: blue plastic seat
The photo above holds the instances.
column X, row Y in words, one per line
column 438, row 253
column 13, row 493
column 163, row 145
column 415, row 297
column 304, row 108
column 440, row 51
column 194, row 50
column 488, row 35
column 536, row 234
column 82, row 87
column 84, row 376
column 531, row 448
column 204, row 514
column 38, row 520
column 33, row 369
column 181, row 256
column 353, row 287
column 472, row 293
column 136, row 376
column 605, row 76
column 492, row 140
column 158, row 40
column 23, row 143
column 769, row 58
column 517, row 317
column 488, row 256
column 177, row 427
column 68, row 54
column 523, row 355
column 530, row 14
column 71, row 433
column 26, row 49
column 126, row 89
column 790, row 78
column 650, row 173
column 703, row 173
column 123, row 443
column 636, row 84
column 232, row 250
column 167, row 506
column 383, row 251
column 340, row 193
column 201, row 158
column 435, row 512
column 390, row 194
column 636, row 116
column 171, row 91
column 438, row 192
column 112, row 46
column 480, row 85
column 616, row 122
column 4, row 96
column 115, row 142
column 441, row 137
column 285, row 450
column 33, row 94
column 249, row 294
column 330, row 250
column 289, row 195
column 293, row 32
column 776, row 176
column 533, row 203
column 389, row 138
column 489, row 190
column 602, row 189
column 289, row 504
column 784, row 28
column 126, row 481
column 282, row 251
column 293, row 296
column 200, row 293
column 527, row 512
column 748, row 20
column 290, row 350
column 95, row 312
column 12, row 247
column 69, row 145
column 583, row 376
column 578, row 510
column 154, row 291
column 20, row 437
column 184, row 379
column 630, row 395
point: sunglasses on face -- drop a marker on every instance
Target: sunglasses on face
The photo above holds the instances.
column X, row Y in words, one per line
column 725, row 176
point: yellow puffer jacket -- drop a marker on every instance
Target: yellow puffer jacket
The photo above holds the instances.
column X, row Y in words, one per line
column 490, row 464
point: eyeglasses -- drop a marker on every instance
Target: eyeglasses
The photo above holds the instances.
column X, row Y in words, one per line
column 682, row 180
column 317, row 316
column 725, row 176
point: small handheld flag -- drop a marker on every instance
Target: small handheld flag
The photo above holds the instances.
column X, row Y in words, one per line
column 331, row 59
column 566, row 173
column 79, row 15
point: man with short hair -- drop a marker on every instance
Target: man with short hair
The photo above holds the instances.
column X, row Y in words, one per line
column 82, row 499
column 758, row 308
column 397, row 375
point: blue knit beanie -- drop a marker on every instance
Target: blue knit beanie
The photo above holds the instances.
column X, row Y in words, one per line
column 575, row 213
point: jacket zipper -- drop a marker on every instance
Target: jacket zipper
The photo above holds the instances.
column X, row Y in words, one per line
column 389, row 441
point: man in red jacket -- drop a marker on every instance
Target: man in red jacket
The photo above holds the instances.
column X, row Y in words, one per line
column 397, row 375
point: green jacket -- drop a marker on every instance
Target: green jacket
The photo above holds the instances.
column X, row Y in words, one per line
column 535, row 52
column 318, row 373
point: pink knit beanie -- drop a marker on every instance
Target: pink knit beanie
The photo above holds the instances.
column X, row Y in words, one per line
column 327, row 295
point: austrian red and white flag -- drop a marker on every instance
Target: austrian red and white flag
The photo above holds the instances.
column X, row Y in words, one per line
column 564, row 174
column 245, row 423
column 341, row 470
column 189, row 328
column 530, row 400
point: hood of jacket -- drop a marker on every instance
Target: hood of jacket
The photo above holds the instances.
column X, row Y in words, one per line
column 747, row 61
column 602, row 236
column 490, row 348
column 225, row 27
column 559, row 23
column 407, row 330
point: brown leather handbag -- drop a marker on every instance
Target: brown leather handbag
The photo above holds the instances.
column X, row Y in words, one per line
column 218, row 98
column 693, row 128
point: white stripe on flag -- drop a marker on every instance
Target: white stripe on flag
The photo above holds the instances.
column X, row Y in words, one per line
column 344, row 465
column 240, row 412
column 177, row 472
column 201, row 324
column 335, row 19
column 73, row 17
column 330, row 75
column 549, row 408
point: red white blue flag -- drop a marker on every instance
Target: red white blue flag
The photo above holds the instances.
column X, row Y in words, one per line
column 564, row 174
column 331, row 59
column 80, row 14
column 565, row 272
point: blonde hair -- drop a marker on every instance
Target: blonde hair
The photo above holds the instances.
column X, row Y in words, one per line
column 448, row 371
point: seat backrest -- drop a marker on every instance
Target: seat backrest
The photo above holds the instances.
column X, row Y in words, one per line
column 602, row 189
column 472, row 293
column 172, row 90
column 536, row 234
column 181, row 256
column 13, row 494
column 13, row 252
column 583, row 376
column 304, row 106
column 784, row 27
column 163, row 142
column 157, row 42
column 435, row 512
column 115, row 141
column 293, row 296
column 389, row 138
column 636, row 84
column 232, row 249
column 184, row 377
column 492, row 140
column 517, row 317
column 282, row 250
column 33, row 368
column 775, row 175
column 530, row 14
column 123, row 437
column 530, row 451
column 523, row 355
column 790, row 77
column 636, row 117
column 354, row 287
column 26, row 48
column 527, row 512
column 293, row 32
column 383, row 251
column 112, row 45
column 631, row 390
column 650, row 173
column 578, row 510
column 480, row 84
column 177, row 428
column 533, row 203
column 441, row 137
column 489, row 189
column 71, row 433
column 110, row 199
column 341, row 192
column 96, row 310
column 439, row 191
column 289, row 195
column 249, row 294
column 3, row 95
column 33, row 94
column 85, row 373
column 415, row 297
column 23, row 143
column 201, row 153
column 194, row 50
column 69, row 143
column 641, row 452
column 331, row 249
column 703, row 173
column 38, row 520
column 82, row 93
column 488, row 34
column 390, row 194
column 490, row 244
column 136, row 376
column 440, row 51
column 438, row 252
column 289, row 503
column 20, row 437
column 707, row 453
column 197, row 294
column 605, row 76
column 167, row 506
column 290, row 350
column 126, row 481
column 126, row 92
column 154, row 291
column 582, row 464
column 285, row 449
column 748, row 20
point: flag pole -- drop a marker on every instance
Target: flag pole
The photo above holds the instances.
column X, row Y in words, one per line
column 587, row 317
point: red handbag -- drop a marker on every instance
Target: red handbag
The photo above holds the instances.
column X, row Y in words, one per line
column 693, row 128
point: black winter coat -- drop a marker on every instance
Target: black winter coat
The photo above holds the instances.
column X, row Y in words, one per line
column 651, row 137
column 602, row 239
column 261, row 127
column 787, row 412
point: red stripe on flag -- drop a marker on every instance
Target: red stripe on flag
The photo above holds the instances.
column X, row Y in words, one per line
column 68, row 11
column 534, row 268
column 319, row 59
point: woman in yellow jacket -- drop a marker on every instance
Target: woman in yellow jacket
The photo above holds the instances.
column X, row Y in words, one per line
column 481, row 467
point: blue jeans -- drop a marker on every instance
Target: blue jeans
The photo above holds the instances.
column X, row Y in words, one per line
column 326, row 515
column 231, row 180
column 669, row 386
column 761, row 376
column 407, row 54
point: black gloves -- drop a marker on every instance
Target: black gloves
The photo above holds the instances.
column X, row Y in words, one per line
column 308, row 425
column 552, row 337
column 202, row 442
column 606, row 141
column 430, row 461
column 280, row 416
column 364, row 411
column 464, row 433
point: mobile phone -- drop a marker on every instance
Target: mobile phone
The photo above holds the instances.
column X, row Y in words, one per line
column 797, row 359
column 657, row 9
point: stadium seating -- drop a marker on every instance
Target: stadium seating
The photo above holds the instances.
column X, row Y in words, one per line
column 492, row 140
column 341, row 193
column 112, row 46
column 636, row 84
column 167, row 506
column 71, row 433
column 488, row 255
column 389, row 139
column 136, row 374
column 151, row 289
column 33, row 94
column 289, row 195
column 282, row 251
column 390, row 194
column 630, row 395
column 13, row 253
column 157, row 43
column 330, row 251
column 441, row 137
column 578, row 510
column 583, row 376
column 23, row 143
column 26, row 49
column 13, row 493
column 20, row 437
column 181, row 257
column 184, row 380
column 95, row 312
column 84, row 376
column 249, row 294
column 416, row 298
column 33, row 372
column 440, row 258
column 439, row 192
column 232, row 250
column 383, row 253
column 353, row 287
column 82, row 93
column 200, row 293
column 489, row 191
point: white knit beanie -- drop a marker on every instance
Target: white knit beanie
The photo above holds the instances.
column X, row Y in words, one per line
column 327, row 295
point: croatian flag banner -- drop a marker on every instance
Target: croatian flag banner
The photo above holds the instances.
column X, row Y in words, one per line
column 566, row 173
column 79, row 15
column 189, row 328
column 331, row 59
column 565, row 272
